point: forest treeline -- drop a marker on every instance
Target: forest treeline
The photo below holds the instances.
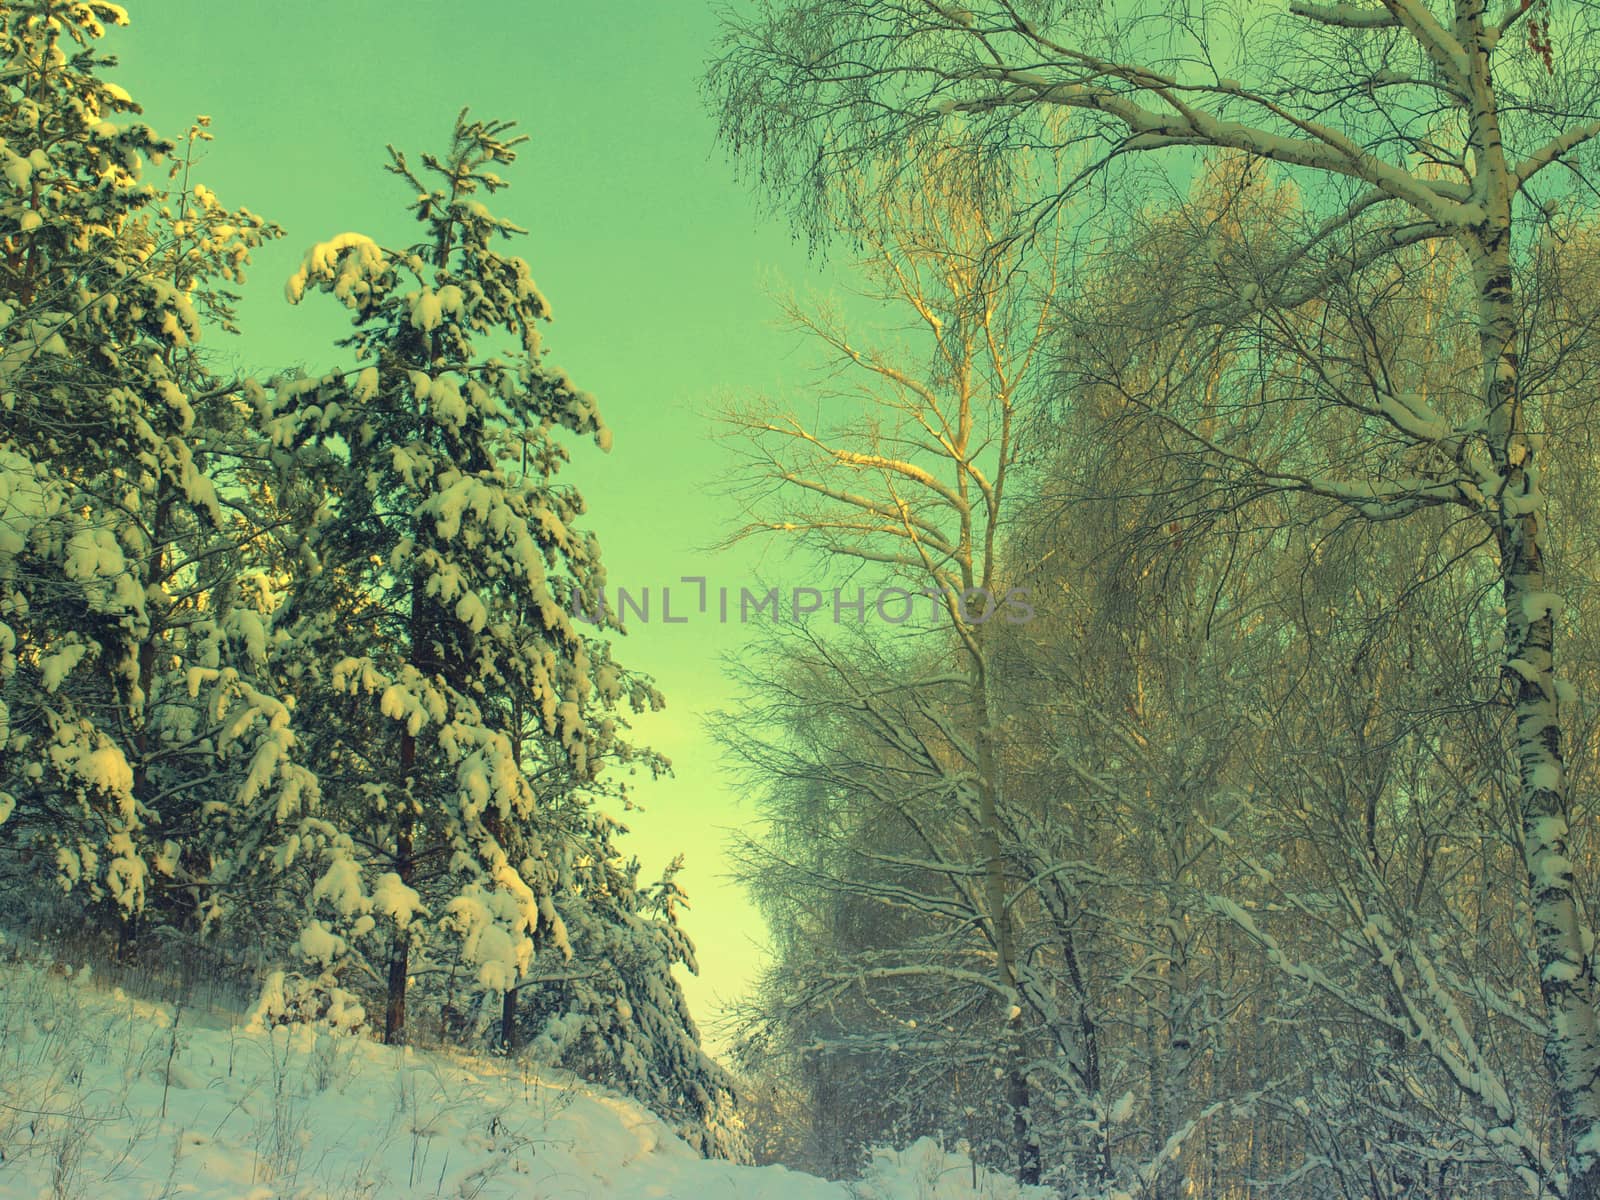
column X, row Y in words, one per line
column 1258, row 861
column 288, row 679
column 1257, row 343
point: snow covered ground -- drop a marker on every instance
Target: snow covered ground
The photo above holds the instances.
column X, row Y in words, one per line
column 107, row 1097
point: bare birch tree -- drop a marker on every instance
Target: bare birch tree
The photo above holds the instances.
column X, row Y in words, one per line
column 911, row 481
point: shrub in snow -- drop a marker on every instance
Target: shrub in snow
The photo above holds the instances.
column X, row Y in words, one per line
column 927, row 1171
column 289, row 998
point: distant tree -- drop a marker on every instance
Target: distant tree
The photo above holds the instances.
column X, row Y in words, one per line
column 903, row 788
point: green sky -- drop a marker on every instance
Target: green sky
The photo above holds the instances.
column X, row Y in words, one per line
column 653, row 257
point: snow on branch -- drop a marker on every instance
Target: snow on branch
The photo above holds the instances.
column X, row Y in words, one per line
column 1317, row 146
column 1345, row 16
column 1555, row 149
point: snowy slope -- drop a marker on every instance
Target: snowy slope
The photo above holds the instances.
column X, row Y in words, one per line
column 106, row 1097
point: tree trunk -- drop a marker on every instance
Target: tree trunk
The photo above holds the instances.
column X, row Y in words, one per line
column 1252, row 1158
column 138, row 712
column 394, row 1016
column 1017, row 1094
column 1566, row 976
column 508, row 1020
column 394, row 1012
column 127, row 938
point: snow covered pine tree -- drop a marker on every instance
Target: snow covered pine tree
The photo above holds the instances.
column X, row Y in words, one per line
column 436, row 618
column 137, row 737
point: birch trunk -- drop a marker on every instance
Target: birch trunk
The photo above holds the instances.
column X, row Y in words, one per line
column 1018, row 1097
column 1566, row 976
